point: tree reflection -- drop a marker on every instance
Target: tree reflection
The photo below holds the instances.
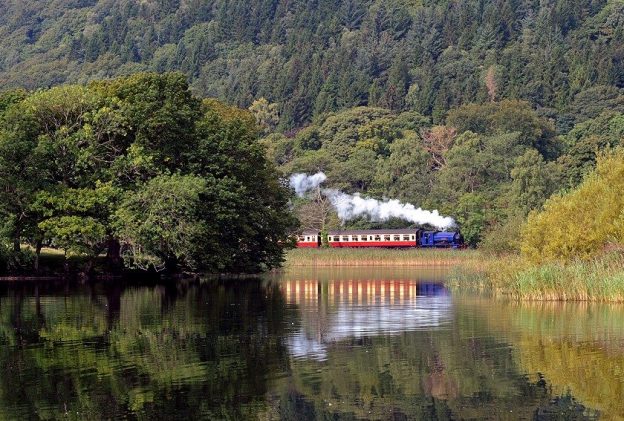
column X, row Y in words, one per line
column 440, row 363
column 389, row 349
column 111, row 352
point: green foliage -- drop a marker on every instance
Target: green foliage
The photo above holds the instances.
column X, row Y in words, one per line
column 471, row 216
column 477, row 163
column 77, row 220
column 504, row 238
column 406, row 173
column 266, row 114
column 508, row 116
column 323, row 57
column 533, row 181
column 584, row 221
column 586, row 140
column 592, row 102
column 166, row 219
column 161, row 111
column 141, row 161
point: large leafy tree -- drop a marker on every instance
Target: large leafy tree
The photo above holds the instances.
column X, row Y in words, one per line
column 139, row 163
column 163, row 223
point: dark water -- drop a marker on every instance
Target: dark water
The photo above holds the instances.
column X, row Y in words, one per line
column 352, row 344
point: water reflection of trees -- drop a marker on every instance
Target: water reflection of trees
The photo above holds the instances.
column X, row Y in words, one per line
column 576, row 347
column 157, row 352
column 436, row 369
column 220, row 349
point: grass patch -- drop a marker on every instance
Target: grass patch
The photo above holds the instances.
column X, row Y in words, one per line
column 327, row 257
column 600, row 279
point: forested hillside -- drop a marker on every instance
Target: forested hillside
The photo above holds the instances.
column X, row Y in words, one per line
column 482, row 109
column 566, row 58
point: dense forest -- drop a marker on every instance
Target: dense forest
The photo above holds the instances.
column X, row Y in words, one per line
column 312, row 57
column 481, row 109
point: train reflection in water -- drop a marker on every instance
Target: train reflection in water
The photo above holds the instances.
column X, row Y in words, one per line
column 334, row 311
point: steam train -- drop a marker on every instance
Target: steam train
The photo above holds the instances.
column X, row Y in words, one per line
column 386, row 238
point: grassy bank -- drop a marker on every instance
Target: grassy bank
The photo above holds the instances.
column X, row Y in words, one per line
column 600, row 279
column 377, row 257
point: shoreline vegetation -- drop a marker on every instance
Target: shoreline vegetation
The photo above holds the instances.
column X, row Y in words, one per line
column 501, row 276
column 332, row 257
column 597, row 280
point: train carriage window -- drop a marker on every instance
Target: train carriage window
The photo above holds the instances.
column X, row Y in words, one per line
column 329, row 238
column 363, row 238
column 307, row 238
column 345, row 238
column 397, row 238
column 386, row 238
column 406, row 238
column 413, row 237
column 377, row 238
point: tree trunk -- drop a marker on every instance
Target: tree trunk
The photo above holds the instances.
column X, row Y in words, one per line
column 16, row 245
column 113, row 253
column 38, row 247
column 88, row 269
column 171, row 265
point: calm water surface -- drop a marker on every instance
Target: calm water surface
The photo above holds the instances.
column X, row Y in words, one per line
column 309, row 344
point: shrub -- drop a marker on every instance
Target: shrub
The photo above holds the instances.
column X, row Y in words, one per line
column 582, row 223
column 503, row 238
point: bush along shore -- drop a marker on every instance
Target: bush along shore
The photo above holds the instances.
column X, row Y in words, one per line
column 325, row 257
column 600, row 279
column 571, row 249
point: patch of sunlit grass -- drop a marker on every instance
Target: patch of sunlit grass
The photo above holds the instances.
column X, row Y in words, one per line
column 377, row 257
column 601, row 279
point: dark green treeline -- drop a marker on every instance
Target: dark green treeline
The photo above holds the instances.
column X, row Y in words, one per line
column 313, row 57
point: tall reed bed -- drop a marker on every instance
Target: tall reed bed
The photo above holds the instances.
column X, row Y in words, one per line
column 601, row 279
column 377, row 257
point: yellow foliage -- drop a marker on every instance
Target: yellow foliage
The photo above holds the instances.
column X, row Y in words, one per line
column 582, row 223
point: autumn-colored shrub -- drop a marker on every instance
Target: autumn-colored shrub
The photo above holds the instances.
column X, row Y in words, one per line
column 583, row 222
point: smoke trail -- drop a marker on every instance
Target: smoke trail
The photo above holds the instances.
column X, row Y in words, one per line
column 350, row 206
column 303, row 183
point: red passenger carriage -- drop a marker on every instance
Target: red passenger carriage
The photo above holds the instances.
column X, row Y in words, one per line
column 373, row 238
column 309, row 239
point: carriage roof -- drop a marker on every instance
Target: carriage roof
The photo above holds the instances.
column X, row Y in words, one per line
column 375, row 232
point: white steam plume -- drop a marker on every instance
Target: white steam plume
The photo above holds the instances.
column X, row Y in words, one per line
column 350, row 206
column 303, row 183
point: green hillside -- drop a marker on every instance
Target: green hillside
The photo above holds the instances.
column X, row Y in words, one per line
column 316, row 56
column 482, row 109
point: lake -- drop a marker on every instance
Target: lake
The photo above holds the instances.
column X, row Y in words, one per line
column 365, row 343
